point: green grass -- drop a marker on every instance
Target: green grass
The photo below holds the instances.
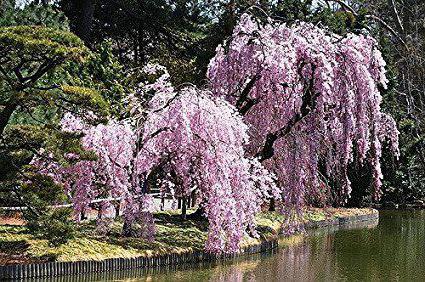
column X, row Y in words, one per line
column 315, row 216
column 173, row 236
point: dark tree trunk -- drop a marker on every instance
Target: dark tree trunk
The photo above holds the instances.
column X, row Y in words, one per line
column 193, row 197
column 184, row 208
column 5, row 115
column 83, row 26
column 162, row 203
column 117, row 209
column 272, row 206
column 126, row 229
column 83, row 216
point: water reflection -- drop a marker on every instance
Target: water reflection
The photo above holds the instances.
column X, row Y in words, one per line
column 394, row 250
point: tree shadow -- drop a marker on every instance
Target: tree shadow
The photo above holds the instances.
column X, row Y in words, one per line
column 13, row 247
column 173, row 234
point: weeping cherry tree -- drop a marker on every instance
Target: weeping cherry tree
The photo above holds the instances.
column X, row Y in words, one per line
column 312, row 102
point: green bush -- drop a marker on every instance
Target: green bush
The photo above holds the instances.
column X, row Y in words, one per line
column 55, row 226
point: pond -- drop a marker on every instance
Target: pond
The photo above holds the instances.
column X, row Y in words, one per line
column 391, row 250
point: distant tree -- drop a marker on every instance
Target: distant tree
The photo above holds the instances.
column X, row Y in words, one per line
column 32, row 14
column 406, row 101
column 83, row 12
column 141, row 31
column 182, row 35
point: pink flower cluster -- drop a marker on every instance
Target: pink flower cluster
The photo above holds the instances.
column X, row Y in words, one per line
column 314, row 95
column 196, row 140
column 199, row 140
column 113, row 176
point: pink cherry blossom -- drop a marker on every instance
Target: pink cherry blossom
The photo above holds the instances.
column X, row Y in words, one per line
column 198, row 140
column 311, row 101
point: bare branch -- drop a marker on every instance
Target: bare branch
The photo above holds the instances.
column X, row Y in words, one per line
column 345, row 6
column 372, row 17
column 388, row 27
column 397, row 16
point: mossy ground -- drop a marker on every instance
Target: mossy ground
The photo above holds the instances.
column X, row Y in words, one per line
column 173, row 236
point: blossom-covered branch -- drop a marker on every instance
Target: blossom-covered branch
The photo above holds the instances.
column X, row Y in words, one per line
column 317, row 104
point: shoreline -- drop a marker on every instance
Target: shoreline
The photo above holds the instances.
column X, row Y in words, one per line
column 61, row 268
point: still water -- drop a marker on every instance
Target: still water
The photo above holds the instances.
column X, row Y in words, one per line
column 391, row 250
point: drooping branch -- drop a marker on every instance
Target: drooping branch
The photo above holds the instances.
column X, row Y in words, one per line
column 308, row 105
column 397, row 16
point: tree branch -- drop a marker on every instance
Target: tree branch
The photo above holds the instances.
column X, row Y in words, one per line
column 244, row 103
column 389, row 28
column 308, row 104
column 397, row 16
column 248, row 105
column 168, row 103
column 372, row 17
column 159, row 131
column 245, row 92
column 6, row 113
column 345, row 6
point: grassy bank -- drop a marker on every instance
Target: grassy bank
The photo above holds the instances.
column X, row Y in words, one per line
column 173, row 236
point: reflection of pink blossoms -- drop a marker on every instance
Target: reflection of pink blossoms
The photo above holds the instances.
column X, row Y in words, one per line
column 331, row 82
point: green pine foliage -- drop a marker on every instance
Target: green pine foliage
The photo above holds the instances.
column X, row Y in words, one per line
column 35, row 92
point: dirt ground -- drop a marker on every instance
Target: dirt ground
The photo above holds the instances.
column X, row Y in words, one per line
column 7, row 255
column 15, row 219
